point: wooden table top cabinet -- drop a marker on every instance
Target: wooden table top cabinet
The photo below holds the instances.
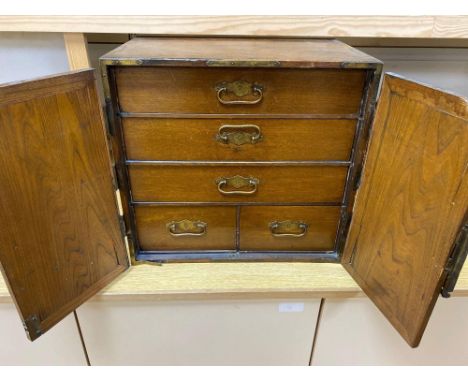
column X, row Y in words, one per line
column 232, row 149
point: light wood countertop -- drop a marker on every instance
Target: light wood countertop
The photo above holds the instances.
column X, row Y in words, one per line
column 301, row 26
column 235, row 281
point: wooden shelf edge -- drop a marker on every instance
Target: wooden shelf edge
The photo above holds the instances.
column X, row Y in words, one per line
column 211, row 281
column 290, row 26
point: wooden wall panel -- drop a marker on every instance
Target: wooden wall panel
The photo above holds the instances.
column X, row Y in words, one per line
column 77, row 50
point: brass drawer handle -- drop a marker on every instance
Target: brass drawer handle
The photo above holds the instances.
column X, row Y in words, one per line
column 288, row 228
column 240, row 89
column 187, row 228
column 239, row 134
column 237, row 183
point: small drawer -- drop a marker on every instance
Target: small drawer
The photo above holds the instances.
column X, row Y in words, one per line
column 239, row 139
column 237, row 90
column 164, row 228
column 286, row 228
column 269, row 184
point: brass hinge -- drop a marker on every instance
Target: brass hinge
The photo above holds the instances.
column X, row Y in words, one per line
column 123, row 228
column 345, row 222
column 109, row 117
column 346, row 219
column 357, row 178
column 126, row 235
column 120, row 213
column 456, row 260
column 32, row 326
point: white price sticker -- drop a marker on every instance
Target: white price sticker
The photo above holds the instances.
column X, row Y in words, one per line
column 291, row 307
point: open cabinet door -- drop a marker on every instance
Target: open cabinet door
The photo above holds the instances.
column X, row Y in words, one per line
column 411, row 207
column 60, row 237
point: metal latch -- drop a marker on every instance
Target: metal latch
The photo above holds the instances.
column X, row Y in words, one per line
column 32, row 326
column 357, row 178
column 456, row 260
column 109, row 117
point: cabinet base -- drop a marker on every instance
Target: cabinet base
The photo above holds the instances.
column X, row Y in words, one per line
column 244, row 256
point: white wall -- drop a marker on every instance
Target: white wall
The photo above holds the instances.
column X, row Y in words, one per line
column 28, row 55
column 438, row 67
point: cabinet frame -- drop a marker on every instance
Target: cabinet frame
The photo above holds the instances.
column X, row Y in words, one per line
column 354, row 166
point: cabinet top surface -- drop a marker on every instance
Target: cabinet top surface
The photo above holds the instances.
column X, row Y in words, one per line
column 257, row 52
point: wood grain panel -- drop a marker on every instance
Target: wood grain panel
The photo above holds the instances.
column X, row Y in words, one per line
column 193, row 90
column 60, row 240
column 153, row 234
column 255, row 234
column 198, row 183
column 453, row 26
column 196, row 139
column 413, row 199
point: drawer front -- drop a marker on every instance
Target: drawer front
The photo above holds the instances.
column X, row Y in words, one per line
column 245, row 139
column 231, row 90
column 186, row 228
column 286, row 228
column 174, row 183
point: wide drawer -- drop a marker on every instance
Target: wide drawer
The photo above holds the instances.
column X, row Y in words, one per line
column 288, row 228
column 227, row 183
column 235, row 90
column 239, row 139
column 165, row 228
